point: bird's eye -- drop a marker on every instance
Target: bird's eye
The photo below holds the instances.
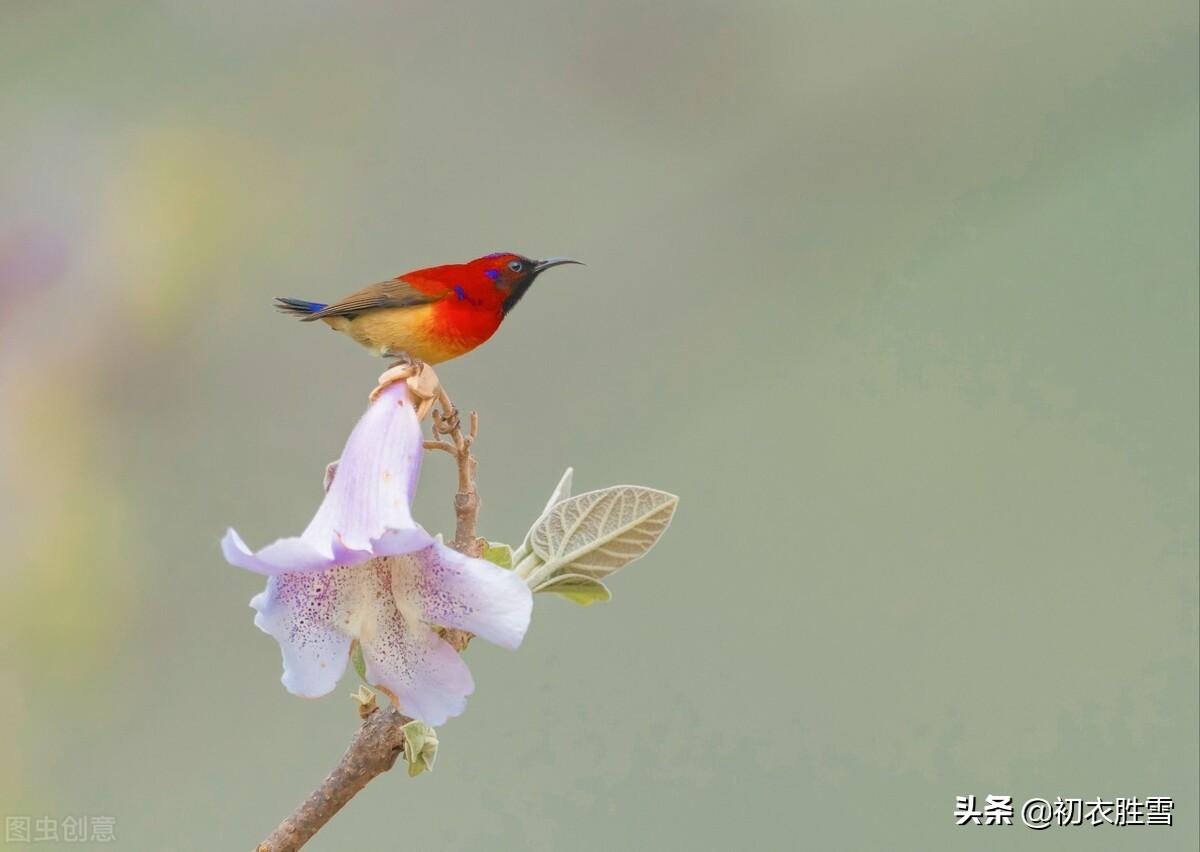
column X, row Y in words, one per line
column 516, row 265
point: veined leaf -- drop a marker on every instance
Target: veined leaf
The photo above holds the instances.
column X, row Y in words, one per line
column 576, row 587
column 561, row 492
column 600, row 532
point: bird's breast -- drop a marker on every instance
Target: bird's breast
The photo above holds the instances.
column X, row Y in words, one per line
column 434, row 333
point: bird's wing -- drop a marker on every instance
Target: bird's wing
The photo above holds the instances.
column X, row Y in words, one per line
column 396, row 293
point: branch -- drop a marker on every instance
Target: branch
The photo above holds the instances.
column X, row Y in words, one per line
column 466, row 501
column 380, row 739
column 372, row 752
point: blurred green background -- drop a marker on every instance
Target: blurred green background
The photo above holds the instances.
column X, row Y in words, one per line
column 900, row 298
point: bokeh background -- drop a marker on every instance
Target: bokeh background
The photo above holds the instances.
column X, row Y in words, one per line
column 900, row 298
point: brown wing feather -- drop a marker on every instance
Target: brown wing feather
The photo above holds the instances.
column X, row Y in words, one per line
column 386, row 294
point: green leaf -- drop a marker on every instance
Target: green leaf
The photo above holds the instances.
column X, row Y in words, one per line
column 499, row 554
column 576, row 587
column 420, row 747
column 600, row 532
column 356, row 660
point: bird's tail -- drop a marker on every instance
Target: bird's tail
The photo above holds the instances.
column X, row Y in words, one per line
column 297, row 307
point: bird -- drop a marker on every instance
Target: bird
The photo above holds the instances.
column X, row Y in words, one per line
column 431, row 315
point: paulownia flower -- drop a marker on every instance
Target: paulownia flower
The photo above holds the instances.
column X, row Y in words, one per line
column 363, row 569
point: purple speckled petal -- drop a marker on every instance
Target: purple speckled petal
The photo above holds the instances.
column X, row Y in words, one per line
column 453, row 590
column 386, row 604
column 427, row 675
column 297, row 610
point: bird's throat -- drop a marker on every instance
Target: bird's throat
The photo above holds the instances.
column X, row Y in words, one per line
column 519, row 290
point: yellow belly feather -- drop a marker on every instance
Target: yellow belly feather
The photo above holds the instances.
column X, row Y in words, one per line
column 391, row 331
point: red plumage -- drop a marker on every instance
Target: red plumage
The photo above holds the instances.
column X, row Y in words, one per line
column 432, row 314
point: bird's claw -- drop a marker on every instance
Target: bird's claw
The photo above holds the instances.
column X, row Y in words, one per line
column 423, row 383
column 445, row 422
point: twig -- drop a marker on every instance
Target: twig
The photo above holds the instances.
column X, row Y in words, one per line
column 373, row 751
column 466, row 501
column 380, row 739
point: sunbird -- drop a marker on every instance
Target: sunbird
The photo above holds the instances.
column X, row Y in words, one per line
column 432, row 314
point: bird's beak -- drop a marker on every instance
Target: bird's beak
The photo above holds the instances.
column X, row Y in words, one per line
column 543, row 265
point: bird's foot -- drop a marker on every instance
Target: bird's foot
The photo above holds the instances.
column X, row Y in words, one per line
column 401, row 357
column 423, row 382
column 445, row 422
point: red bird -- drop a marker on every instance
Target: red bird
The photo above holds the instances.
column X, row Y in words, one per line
column 432, row 314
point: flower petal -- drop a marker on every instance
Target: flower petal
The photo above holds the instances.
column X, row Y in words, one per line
column 396, row 542
column 376, row 476
column 422, row 669
column 367, row 503
column 453, row 590
column 297, row 609
column 402, row 654
column 284, row 555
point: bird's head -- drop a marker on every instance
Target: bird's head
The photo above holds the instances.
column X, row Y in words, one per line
column 511, row 274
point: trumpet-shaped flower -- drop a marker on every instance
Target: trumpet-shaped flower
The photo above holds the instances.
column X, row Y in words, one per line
column 363, row 569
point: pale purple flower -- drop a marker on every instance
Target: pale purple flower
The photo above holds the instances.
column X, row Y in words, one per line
column 363, row 569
